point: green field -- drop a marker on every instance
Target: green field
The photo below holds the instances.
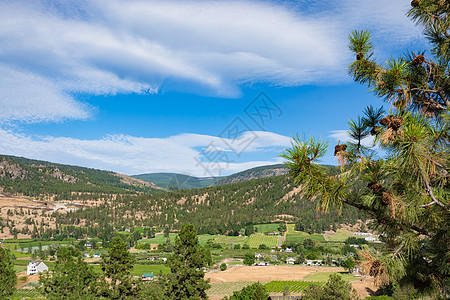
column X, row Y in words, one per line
column 294, row 286
column 300, row 236
column 324, row 276
column 264, row 228
column 340, row 236
column 225, row 239
column 227, row 288
column 257, row 239
column 159, row 239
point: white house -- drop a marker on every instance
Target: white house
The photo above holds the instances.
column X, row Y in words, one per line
column 313, row 262
column 288, row 250
column 290, row 260
column 97, row 255
column 36, row 267
column 262, row 263
column 370, row 239
column 259, row 256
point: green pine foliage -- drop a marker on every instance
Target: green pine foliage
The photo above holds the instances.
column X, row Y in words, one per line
column 8, row 278
column 335, row 288
column 72, row 278
column 406, row 194
column 255, row 291
column 117, row 268
column 186, row 280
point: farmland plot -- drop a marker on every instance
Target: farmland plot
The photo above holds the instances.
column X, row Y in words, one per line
column 258, row 239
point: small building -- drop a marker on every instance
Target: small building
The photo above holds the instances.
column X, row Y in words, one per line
column 262, row 263
column 88, row 245
column 313, row 262
column 354, row 245
column 36, row 267
column 273, row 233
column 290, row 260
column 362, row 233
column 370, row 239
column 288, row 250
column 259, row 256
column 97, row 255
column 147, row 276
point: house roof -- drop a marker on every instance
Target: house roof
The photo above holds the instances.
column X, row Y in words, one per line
column 148, row 275
column 37, row 262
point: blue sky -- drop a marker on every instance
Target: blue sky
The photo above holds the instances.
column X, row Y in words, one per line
column 173, row 86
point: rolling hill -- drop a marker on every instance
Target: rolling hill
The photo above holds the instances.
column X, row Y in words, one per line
column 174, row 181
column 35, row 178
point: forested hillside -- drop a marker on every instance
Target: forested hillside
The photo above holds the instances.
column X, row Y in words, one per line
column 39, row 178
column 254, row 173
column 174, row 181
column 110, row 201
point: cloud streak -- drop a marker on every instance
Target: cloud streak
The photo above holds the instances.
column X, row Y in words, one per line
column 52, row 53
column 135, row 155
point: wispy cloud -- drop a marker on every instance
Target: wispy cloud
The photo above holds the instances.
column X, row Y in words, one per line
column 135, row 155
column 52, row 52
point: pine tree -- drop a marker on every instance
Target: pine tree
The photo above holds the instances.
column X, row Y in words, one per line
column 407, row 193
column 8, row 278
column 117, row 268
column 186, row 280
column 72, row 278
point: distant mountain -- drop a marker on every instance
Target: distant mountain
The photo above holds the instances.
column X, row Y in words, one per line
column 254, row 173
column 36, row 178
column 174, row 181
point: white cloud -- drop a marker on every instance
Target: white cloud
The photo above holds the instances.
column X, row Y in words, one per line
column 135, row 155
column 99, row 47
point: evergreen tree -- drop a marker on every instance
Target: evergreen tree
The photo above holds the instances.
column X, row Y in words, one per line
column 335, row 288
column 117, row 268
column 255, row 291
column 8, row 278
column 407, row 194
column 186, row 264
column 72, row 278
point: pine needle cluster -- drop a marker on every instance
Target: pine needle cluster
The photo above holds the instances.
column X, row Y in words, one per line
column 405, row 193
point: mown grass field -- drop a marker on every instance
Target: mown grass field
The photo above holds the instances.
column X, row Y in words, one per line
column 159, row 239
column 294, row 286
column 264, row 228
column 227, row 288
column 340, row 236
column 324, row 276
column 258, row 239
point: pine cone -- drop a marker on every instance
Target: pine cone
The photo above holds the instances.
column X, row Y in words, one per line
column 374, row 269
column 415, row 3
column 396, row 123
column 375, row 187
column 386, row 120
column 387, row 197
column 339, row 148
column 418, row 60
